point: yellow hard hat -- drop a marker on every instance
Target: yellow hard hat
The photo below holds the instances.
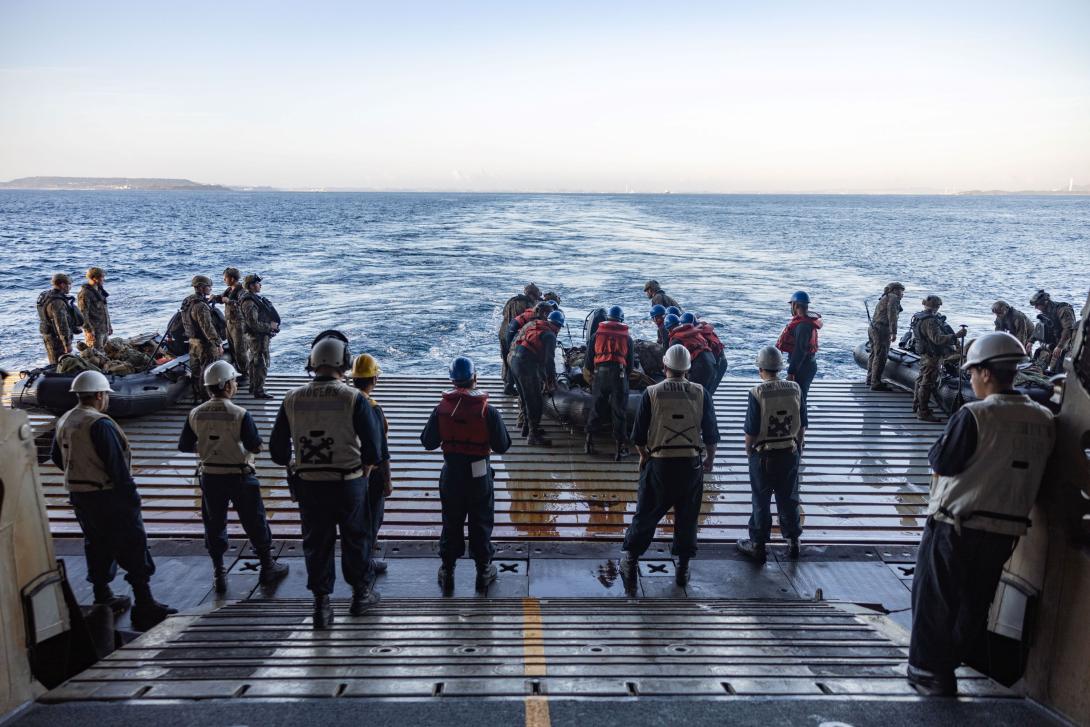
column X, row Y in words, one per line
column 365, row 367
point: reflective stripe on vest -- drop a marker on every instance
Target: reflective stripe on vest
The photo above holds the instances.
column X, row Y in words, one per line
column 999, row 485
column 688, row 336
column 463, row 422
column 786, row 341
column 677, row 406
column 218, row 426
column 84, row 470
column 320, row 416
column 780, row 403
column 611, row 343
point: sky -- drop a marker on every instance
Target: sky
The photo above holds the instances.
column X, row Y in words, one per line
column 551, row 96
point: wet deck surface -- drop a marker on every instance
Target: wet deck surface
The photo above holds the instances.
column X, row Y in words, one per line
column 864, row 475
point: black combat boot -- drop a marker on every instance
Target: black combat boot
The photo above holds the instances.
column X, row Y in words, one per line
column 756, row 551
column 925, row 415
column 262, row 394
column 118, row 604
column 621, row 453
column 323, row 612
column 681, row 575
column 932, row 685
column 537, row 438
column 525, row 429
column 588, row 446
column 446, row 578
column 629, row 572
column 880, row 386
column 272, row 572
column 219, row 579
column 793, row 548
column 148, row 612
column 486, row 575
column 378, row 567
column 363, row 599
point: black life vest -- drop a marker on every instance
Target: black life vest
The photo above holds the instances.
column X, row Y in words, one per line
column 266, row 311
column 45, row 323
column 611, row 343
column 924, row 347
column 463, row 422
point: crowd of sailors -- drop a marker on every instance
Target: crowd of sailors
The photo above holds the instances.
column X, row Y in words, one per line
column 331, row 435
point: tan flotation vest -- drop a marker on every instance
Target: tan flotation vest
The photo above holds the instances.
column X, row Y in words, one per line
column 322, row 431
column 677, row 406
column 84, row 470
column 781, row 414
column 998, row 487
column 218, row 426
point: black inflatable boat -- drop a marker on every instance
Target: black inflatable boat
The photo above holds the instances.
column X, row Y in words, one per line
column 134, row 394
column 571, row 405
column 902, row 368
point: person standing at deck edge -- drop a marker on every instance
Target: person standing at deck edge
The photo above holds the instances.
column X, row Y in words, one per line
column 468, row 429
column 987, row 468
column 799, row 340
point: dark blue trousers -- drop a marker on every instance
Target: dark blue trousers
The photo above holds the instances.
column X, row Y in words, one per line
column 804, row 377
column 774, row 474
column 610, row 391
column 218, row 493
column 466, row 498
column 113, row 534
column 667, row 482
column 704, row 371
column 376, row 502
column 325, row 508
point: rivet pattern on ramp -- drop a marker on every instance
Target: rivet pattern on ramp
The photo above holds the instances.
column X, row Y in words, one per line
column 864, row 476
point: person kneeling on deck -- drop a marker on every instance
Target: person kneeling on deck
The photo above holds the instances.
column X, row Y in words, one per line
column 610, row 359
column 468, row 429
column 532, row 362
column 987, row 468
column 94, row 454
column 774, row 435
column 675, row 426
column 336, row 438
column 225, row 439
column 365, row 373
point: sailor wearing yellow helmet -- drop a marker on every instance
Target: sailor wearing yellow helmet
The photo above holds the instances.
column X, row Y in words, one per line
column 365, row 373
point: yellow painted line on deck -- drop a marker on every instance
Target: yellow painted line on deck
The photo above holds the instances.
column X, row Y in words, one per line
column 533, row 660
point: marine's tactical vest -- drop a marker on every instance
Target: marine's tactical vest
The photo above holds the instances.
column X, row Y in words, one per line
column 1052, row 320
column 193, row 331
column 688, row 336
column 45, row 324
column 218, row 426
column 232, row 304
column 463, row 422
column 999, row 485
column 881, row 311
column 677, row 406
column 529, row 336
column 923, row 346
column 707, row 330
column 611, row 343
column 786, row 341
column 780, row 403
column 320, row 416
column 84, row 470
column 266, row 311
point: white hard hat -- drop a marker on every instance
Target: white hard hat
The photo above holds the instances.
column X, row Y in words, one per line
column 89, row 382
column 769, row 358
column 219, row 373
column 996, row 348
column 330, row 352
column 677, row 358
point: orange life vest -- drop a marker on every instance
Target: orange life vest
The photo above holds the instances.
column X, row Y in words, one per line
column 707, row 330
column 786, row 341
column 611, row 343
column 463, row 422
column 688, row 336
column 529, row 336
column 524, row 317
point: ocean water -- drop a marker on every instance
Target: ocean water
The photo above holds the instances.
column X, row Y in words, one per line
column 416, row 279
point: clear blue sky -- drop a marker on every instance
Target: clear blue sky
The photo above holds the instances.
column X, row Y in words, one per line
column 562, row 96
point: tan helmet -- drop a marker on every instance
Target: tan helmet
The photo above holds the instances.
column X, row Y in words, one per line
column 251, row 279
column 652, row 285
column 365, row 367
column 769, row 358
column 89, row 382
column 677, row 358
column 94, row 273
column 1000, row 307
column 219, row 373
column 932, row 301
column 997, row 347
column 59, row 278
column 199, row 281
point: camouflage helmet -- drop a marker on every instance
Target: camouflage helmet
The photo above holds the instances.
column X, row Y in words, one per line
column 232, row 273
column 95, row 272
column 1040, row 297
column 652, row 285
column 200, row 281
column 551, row 296
column 59, row 278
column 532, row 291
column 932, row 301
column 895, row 286
column 1000, row 307
column 251, row 279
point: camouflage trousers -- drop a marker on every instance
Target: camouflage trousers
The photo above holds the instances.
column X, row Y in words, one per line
column 240, row 349
column 55, row 348
column 258, row 349
column 201, row 356
column 879, row 351
column 926, row 383
column 96, row 338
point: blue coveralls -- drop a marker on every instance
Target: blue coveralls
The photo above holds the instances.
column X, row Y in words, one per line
column 609, row 387
column 771, row 473
column 802, row 365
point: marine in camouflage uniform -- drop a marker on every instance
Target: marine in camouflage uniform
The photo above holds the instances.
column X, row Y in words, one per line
column 58, row 318
column 1059, row 320
column 658, row 296
column 934, row 340
column 528, row 298
column 236, row 335
column 122, row 353
column 96, row 314
column 205, row 344
column 882, row 332
column 1014, row 322
column 260, row 322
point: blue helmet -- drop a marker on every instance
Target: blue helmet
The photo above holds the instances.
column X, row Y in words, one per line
column 553, row 304
column 688, row 318
column 556, row 317
column 657, row 310
column 673, row 311
column 800, row 296
column 670, row 321
column 615, row 313
column 462, row 369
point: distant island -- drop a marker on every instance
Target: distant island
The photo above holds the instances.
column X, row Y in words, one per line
column 111, row 183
